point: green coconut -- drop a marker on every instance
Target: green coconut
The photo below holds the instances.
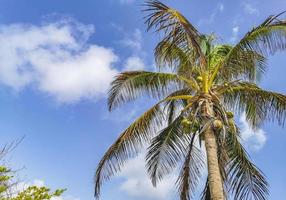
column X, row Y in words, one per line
column 217, row 124
column 229, row 114
column 196, row 126
column 186, row 122
column 199, row 78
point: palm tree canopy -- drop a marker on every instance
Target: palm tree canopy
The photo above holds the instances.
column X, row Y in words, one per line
column 201, row 70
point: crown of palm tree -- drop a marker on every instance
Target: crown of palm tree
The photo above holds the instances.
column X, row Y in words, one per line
column 202, row 71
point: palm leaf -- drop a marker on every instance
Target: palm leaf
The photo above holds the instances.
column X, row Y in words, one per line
column 206, row 194
column 167, row 54
column 170, row 55
column 128, row 145
column 244, row 64
column 178, row 31
column 134, row 137
column 128, row 86
column 259, row 105
column 191, row 172
column 166, row 150
column 267, row 38
column 175, row 102
column 246, row 181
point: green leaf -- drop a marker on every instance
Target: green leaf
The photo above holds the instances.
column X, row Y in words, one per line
column 128, row 86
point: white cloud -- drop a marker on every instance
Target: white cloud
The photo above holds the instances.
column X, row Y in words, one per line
column 134, row 63
column 56, row 59
column 235, row 29
column 134, row 41
column 137, row 184
column 249, row 9
column 221, row 7
column 234, row 35
column 39, row 183
column 254, row 139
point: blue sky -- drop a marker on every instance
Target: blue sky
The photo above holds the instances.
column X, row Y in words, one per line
column 57, row 59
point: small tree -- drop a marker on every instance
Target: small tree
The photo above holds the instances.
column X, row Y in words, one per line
column 5, row 178
column 37, row 193
column 8, row 186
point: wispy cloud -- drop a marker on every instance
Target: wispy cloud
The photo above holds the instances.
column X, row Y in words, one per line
column 253, row 139
column 250, row 9
column 56, row 59
column 234, row 34
column 134, row 63
column 133, row 40
column 221, row 7
column 217, row 10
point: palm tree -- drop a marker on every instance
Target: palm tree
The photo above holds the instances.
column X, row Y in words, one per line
column 200, row 85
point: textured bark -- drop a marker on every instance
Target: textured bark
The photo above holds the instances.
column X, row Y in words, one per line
column 215, row 180
column 214, row 176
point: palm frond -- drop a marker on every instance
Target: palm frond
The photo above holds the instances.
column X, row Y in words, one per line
column 268, row 38
column 244, row 64
column 167, row 54
column 248, row 55
column 166, row 150
column 219, row 53
column 246, row 181
column 171, row 110
column 178, row 31
column 180, row 61
column 191, row 172
column 174, row 102
column 128, row 145
column 259, row 105
column 206, row 194
column 128, row 86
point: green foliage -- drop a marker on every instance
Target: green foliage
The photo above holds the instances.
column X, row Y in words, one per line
column 190, row 172
column 129, row 143
column 5, row 176
column 37, row 193
column 30, row 193
column 130, row 85
column 165, row 150
column 244, row 176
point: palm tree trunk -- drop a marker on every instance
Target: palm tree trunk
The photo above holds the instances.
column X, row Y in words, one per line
column 214, row 176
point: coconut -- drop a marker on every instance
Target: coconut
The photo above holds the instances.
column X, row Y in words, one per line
column 217, row 124
column 186, row 122
column 196, row 126
column 230, row 114
column 199, row 78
